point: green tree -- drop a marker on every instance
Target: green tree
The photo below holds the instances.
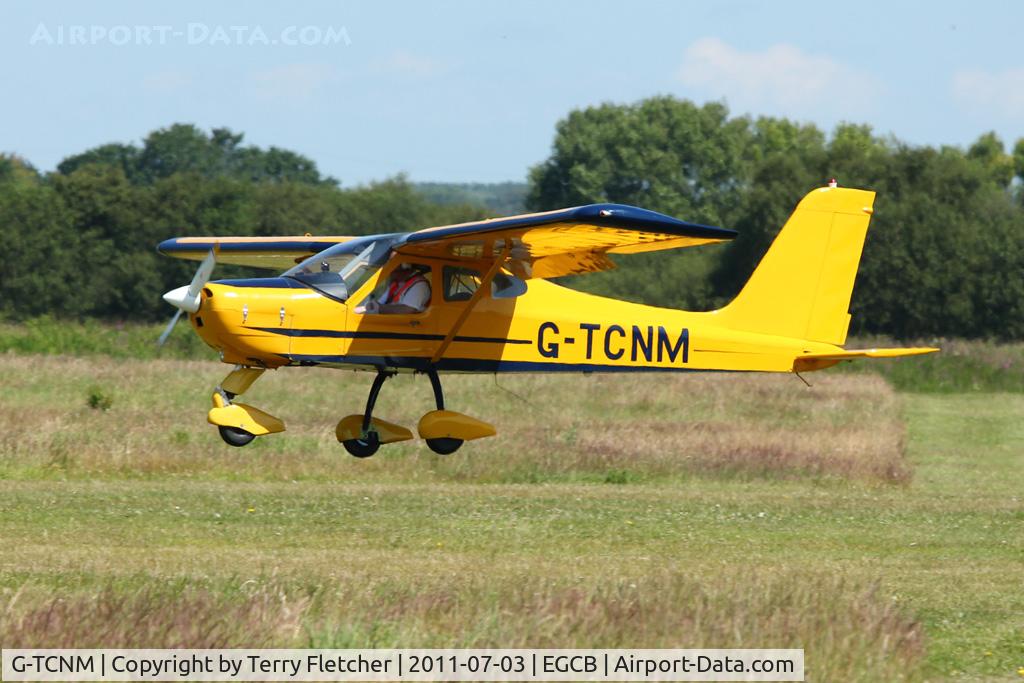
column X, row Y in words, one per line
column 46, row 265
column 184, row 148
column 664, row 154
column 1018, row 158
column 940, row 258
column 116, row 155
column 988, row 151
column 180, row 148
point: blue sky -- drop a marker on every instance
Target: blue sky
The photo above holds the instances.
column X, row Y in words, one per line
column 471, row 91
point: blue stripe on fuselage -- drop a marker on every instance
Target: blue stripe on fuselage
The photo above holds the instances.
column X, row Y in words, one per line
column 472, row 364
column 356, row 334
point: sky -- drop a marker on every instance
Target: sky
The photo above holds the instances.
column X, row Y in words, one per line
column 472, row 91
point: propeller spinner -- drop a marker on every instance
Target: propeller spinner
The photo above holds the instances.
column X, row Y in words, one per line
column 187, row 297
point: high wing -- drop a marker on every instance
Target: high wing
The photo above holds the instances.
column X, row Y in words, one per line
column 275, row 253
column 562, row 242
column 541, row 245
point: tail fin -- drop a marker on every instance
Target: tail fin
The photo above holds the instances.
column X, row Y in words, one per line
column 803, row 284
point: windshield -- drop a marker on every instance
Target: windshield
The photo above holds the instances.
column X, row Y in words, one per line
column 340, row 271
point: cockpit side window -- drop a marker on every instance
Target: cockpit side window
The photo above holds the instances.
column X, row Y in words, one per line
column 406, row 289
column 460, row 283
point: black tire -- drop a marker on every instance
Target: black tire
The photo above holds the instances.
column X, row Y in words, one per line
column 444, row 445
column 233, row 436
column 362, row 448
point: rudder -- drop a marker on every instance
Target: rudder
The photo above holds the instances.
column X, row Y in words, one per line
column 802, row 286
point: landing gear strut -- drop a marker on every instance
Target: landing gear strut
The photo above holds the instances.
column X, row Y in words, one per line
column 369, row 442
column 238, row 423
column 443, row 430
column 441, row 445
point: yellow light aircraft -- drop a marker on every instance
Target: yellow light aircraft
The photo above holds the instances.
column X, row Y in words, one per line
column 491, row 309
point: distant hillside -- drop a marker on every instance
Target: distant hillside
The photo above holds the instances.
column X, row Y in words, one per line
column 503, row 199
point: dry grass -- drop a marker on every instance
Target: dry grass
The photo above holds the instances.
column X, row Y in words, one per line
column 603, row 428
column 153, row 617
column 850, row 631
column 742, row 425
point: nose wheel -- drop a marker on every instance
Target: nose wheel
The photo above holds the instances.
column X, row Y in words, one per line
column 239, row 424
column 233, row 436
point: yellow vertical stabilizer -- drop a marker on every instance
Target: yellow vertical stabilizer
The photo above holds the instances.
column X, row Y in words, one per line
column 803, row 284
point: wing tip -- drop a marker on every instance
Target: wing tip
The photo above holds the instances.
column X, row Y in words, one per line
column 167, row 246
column 901, row 352
column 627, row 216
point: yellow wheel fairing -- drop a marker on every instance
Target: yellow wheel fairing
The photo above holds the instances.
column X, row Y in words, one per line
column 448, row 424
column 351, row 427
column 244, row 417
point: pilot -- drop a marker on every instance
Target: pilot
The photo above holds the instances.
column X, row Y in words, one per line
column 408, row 291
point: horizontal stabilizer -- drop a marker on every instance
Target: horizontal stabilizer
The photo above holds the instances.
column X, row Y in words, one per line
column 817, row 361
column 872, row 353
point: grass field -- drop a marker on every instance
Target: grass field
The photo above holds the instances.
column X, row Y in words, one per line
column 881, row 531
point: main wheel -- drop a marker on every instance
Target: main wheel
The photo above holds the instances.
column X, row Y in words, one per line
column 233, row 436
column 362, row 448
column 444, row 445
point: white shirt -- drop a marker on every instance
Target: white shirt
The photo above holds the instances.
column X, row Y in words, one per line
column 416, row 296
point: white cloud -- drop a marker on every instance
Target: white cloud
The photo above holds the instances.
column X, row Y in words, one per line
column 782, row 79
column 292, row 81
column 983, row 92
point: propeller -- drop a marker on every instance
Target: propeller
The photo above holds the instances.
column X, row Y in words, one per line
column 170, row 328
column 186, row 298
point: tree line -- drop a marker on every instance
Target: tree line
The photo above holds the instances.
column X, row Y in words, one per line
column 80, row 242
column 944, row 255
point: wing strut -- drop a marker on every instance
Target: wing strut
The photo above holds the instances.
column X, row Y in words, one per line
column 484, row 284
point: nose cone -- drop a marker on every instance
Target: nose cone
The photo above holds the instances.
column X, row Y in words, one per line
column 182, row 299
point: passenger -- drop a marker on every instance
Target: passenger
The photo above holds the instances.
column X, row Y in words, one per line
column 408, row 291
